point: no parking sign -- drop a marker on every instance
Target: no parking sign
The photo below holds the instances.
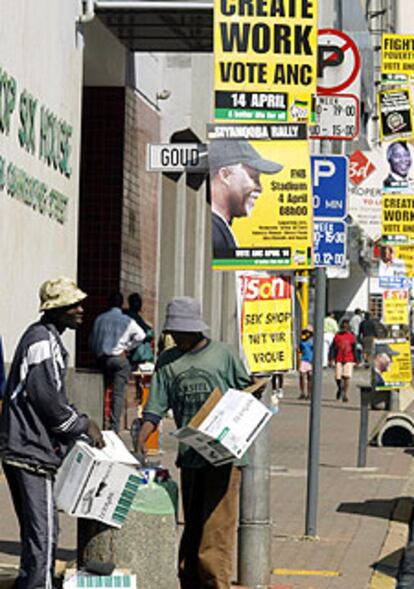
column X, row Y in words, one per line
column 339, row 63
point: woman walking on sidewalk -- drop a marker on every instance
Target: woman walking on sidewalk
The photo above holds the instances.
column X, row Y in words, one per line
column 344, row 345
column 306, row 359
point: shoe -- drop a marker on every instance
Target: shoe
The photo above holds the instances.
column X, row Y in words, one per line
column 345, row 399
column 338, row 394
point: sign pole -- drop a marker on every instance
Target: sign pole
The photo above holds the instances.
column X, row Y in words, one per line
column 315, row 408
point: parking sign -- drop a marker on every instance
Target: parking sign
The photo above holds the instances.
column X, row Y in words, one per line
column 329, row 179
column 330, row 243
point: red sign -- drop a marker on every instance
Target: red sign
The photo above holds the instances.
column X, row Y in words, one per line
column 359, row 167
column 338, row 77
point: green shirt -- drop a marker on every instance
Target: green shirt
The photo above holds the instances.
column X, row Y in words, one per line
column 184, row 381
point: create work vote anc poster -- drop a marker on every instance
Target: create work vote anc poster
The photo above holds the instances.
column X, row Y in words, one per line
column 398, row 219
column 261, row 197
column 265, row 321
column 265, row 59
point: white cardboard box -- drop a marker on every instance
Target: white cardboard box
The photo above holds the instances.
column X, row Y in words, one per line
column 225, row 426
column 98, row 484
column 75, row 580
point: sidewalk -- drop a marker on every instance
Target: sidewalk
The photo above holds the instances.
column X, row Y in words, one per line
column 355, row 509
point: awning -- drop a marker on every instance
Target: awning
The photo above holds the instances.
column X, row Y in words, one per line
column 160, row 26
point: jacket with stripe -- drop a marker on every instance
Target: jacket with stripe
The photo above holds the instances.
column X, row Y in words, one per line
column 37, row 423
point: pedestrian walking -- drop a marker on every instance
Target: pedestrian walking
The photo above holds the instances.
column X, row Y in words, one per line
column 185, row 377
column 344, row 354
column 37, row 426
column 306, row 359
column 354, row 325
column 113, row 336
column 367, row 333
column 330, row 328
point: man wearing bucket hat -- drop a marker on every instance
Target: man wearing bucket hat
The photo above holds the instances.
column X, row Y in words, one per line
column 382, row 362
column 235, row 168
column 185, row 377
column 37, row 425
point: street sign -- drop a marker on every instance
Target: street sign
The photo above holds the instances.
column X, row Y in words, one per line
column 177, row 157
column 329, row 179
column 330, row 243
column 336, row 117
column 339, row 62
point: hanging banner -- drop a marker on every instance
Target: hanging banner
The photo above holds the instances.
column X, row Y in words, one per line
column 260, row 47
column 399, row 157
column 397, row 55
column 366, row 173
column 261, row 197
column 395, row 114
column 398, row 219
column 395, row 307
column 392, row 364
column 265, row 317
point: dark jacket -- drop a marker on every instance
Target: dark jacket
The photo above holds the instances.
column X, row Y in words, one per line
column 224, row 243
column 37, row 422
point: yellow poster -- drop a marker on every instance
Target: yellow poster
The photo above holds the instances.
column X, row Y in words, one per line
column 397, row 54
column 392, row 364
column 266, row 323
column 395, row 307
column 265, row 59
column 261, row 197
column 397, row 219
column 406, row 254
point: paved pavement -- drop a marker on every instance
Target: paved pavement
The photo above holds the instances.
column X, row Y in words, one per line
column 362, row 513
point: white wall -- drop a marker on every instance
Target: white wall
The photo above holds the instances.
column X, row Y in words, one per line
column 349, row 293
column 105, row 56
column 38, row 48
column 405, row 17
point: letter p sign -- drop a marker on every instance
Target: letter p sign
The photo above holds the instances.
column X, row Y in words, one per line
column 329, row 56
column 322, row 169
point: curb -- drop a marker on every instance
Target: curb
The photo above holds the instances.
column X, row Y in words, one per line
column 385, row 575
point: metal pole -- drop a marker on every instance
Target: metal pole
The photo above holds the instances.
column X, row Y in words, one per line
column 315, row 408
column 255, row 525
column 366, row 393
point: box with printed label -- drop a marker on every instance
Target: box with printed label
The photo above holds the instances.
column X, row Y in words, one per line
column 98, row 484
column 119, row 578
column 226, row 426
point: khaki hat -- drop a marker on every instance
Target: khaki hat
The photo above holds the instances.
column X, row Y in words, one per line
column 227, row 152
column 184, row 314
column 59, row 292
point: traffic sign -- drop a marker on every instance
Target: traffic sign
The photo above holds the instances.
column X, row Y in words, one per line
column 329, row 180
column 336, row 117
column 330, row 243
column 339, row 61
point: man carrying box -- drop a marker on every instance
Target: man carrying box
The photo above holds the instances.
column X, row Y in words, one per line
column 185, row 377
column 36, row 426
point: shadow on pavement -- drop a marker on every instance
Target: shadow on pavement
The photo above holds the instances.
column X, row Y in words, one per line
column 9, row 547
column 389, row 564
column 384, row 508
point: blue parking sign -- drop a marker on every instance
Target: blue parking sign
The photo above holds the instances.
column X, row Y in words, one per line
column 329, row 180
column 329, row 239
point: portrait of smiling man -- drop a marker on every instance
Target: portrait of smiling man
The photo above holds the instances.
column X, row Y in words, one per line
column 235, row 168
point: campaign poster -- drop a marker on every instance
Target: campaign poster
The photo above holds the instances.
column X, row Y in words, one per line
column 398, row 156
column 366, row 173
column 395, row 114
column 265, row 315
column 397, row 219
column 397, row 54
column 395, row 307
column 391, row 367
column 261, row 197
column 265, row 57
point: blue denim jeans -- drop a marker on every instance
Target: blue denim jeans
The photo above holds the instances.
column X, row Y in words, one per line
column 116, row 371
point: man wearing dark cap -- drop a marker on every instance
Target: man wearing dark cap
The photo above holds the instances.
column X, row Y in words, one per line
column 37, row 425
column 185, row 377
column 382, row 362
column 235, row 168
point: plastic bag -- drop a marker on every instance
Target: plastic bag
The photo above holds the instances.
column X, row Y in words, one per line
column 151, row 498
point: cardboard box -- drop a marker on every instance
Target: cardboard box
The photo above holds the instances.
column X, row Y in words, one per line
column 120, row 578
column 98, row 484
column 226, row 425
